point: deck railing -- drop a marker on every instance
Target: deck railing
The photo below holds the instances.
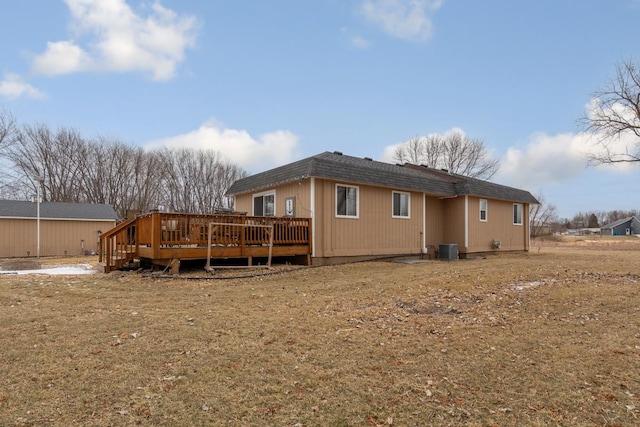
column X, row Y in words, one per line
column 118, row 245
column 161, row 230
column 177, row 229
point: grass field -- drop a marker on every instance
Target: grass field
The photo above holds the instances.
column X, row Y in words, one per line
column 548, row 338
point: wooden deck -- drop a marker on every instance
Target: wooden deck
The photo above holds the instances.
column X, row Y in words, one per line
column 164, row 239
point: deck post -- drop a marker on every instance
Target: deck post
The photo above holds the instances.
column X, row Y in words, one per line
column 137, row 235
column 175, row 266
column 270, row 245
column 207, row 266
column 156, row 233
column 108, row 253
column 310, row 238
column 243, row 231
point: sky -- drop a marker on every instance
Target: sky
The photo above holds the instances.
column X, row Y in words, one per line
column 270, row 82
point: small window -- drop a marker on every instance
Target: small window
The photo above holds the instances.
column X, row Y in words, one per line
column 264, row 204
column 483, row 210
column 517, row 214
column 346, row 201
column 401, row 205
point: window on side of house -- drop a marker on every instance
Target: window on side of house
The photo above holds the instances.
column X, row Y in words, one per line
column 401, row 204
column 264, row 204
column 346, row 201
column 483, row 210
column 517, row 214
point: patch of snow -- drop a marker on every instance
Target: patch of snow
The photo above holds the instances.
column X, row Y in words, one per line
column 70, row 270
column 529, row 285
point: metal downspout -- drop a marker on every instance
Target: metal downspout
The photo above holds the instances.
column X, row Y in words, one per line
column 424, row 223
column 313, row 220
column 466, row 222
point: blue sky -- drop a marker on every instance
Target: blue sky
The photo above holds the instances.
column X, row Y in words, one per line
column 269, row 82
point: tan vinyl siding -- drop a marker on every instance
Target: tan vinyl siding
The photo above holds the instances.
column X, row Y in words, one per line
column 434, row 229
column 321, row 222
column 243, row 203
column 301, row 192
column 18, row 237
column 374, row 232
column 454, row 222
column 499, row 226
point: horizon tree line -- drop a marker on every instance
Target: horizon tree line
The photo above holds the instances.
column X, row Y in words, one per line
column 69, row 167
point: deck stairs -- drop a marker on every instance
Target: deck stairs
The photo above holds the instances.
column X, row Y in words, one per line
column 118, row 246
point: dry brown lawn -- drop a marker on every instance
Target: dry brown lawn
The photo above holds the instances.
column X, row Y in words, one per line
column 548, row 338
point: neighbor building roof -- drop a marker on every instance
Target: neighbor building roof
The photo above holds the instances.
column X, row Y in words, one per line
column 57, row 210
column 357, row 170
column 619, row 222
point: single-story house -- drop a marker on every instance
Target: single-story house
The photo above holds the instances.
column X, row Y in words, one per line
column 65, row 228
column 626, row 226
column 361, row 208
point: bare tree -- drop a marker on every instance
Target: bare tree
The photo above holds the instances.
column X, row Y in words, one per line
column 196, row 180
column 123, row 176
column 49, row 159
column 615, row 116
column 411, row 151
column 7, row 129
column 615, row 215
column 9, row 188
column 226, row 174
column 541, row 217
column 69, row 168
column 147, row 186
column 454, row 152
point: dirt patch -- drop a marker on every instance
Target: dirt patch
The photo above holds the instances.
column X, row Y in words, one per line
column 20, row 265
column 551, row 337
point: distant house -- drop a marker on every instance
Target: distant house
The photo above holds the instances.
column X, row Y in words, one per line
column 65, row 228
column 626, row 226
column 362, row 208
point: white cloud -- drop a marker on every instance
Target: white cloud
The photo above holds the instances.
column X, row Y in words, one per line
column 116, row 39
column 62, row 58
column 546, row 159
column 252, row 153
column 552, row 159
column 403, row 19
column 14, row 86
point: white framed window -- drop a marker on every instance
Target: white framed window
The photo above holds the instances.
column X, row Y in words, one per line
column 347, row 201
column 264, row 204
column 401, row 204
column 483, row 210
column 517, row 214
